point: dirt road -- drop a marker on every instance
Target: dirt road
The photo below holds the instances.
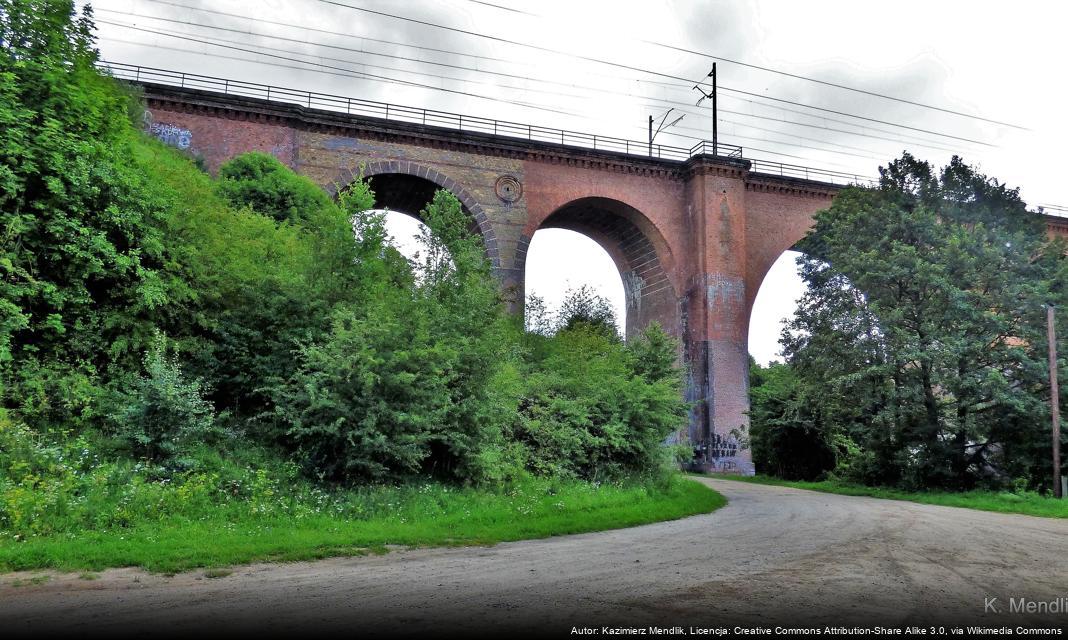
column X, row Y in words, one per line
column 772, row 556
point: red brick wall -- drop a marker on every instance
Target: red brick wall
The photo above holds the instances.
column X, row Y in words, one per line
column 775, row 221
column 217, row 139
column 692, row 242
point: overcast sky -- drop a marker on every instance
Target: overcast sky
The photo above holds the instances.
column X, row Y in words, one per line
column 1002, row 62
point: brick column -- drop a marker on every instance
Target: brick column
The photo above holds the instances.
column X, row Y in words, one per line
column 717, row 319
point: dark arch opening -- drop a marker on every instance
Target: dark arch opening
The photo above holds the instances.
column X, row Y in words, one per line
column 403, row 193
column 638, row 252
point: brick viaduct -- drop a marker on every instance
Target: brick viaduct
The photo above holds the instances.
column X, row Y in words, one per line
column 692, row 239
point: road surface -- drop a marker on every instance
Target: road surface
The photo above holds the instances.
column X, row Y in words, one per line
column 773, row 556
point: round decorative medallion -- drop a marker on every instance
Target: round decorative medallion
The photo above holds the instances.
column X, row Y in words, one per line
column 508, row 188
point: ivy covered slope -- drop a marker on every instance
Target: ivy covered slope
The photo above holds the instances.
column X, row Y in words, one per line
column 198, row 369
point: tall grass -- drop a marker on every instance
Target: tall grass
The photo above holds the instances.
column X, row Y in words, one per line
column 1027, row 502
column 319, row 524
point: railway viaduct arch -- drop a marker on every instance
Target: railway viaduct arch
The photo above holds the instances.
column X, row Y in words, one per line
column 692, row 238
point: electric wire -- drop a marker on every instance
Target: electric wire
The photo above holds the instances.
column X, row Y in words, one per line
column 681, row 86
column 496, row 85
column 788, row 74
column 368, row 75
column 638, row 69
column 338, row 71
column 508, row 75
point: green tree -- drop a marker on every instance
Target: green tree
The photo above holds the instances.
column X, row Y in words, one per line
column 401, row 381
column 921, row 325
column 584, row 306
column 164, row 414
column 82, row 244
column 788, row 436
column 274, row 283
column 592, row 407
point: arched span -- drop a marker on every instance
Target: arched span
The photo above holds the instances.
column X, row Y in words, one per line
column 638, row 250
column 407, row 187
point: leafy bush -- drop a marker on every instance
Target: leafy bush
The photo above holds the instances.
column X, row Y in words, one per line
column 258, row 180
column 400, row 382
column 164, row 415
column 788, row 437
column 595, row 408
column 365, row 401
column 43, row 482
column 292, row 314
column 82, row 249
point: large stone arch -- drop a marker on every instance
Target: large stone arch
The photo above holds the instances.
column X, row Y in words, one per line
column 411, row 194
column 637, row 248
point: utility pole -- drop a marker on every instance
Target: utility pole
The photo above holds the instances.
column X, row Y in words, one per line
column 650, row 136
column 715, row 108
column 715, row 114
column 1055, row 402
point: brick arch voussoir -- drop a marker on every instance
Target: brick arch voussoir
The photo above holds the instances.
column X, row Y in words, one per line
column 485, row 228
column 663, row 254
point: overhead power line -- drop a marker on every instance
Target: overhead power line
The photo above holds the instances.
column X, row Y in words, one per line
column 364, row 65
column 360, row 73
column 290, row 25
column 634, row 68
column 504, row 74
column 840, row 86
column 788, row 74
column 851, row 115
column 673, row 84
column 338, row 71
column 496, row 85
column 504, row 8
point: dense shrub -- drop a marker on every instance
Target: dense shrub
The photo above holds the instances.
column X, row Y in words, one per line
column 592, row 407
column 399, row 383
column 258, row 180
column 164, row 416
column 290, row 312
column 788, row 437
column 82, row 248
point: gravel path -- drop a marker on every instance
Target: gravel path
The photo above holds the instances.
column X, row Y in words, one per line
column 773, row 556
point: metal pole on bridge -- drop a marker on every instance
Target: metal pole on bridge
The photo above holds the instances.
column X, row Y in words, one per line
column 650, row 136
column 661, row 127
column 1055, row 402
column 715, row 108
column 715, row 115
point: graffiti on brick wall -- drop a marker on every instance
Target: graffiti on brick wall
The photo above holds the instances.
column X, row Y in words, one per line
column 632, row 285
column 171, row 134
column 716, row 447
column 724, row 292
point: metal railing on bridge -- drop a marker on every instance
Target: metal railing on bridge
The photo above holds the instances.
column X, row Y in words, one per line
column 461, row 122
column 809, row 173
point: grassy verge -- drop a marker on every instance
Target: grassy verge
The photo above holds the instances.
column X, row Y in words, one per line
column 1030, row 503
column 426, row 515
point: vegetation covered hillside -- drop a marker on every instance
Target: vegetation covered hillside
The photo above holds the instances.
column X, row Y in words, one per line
column 181, row 352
